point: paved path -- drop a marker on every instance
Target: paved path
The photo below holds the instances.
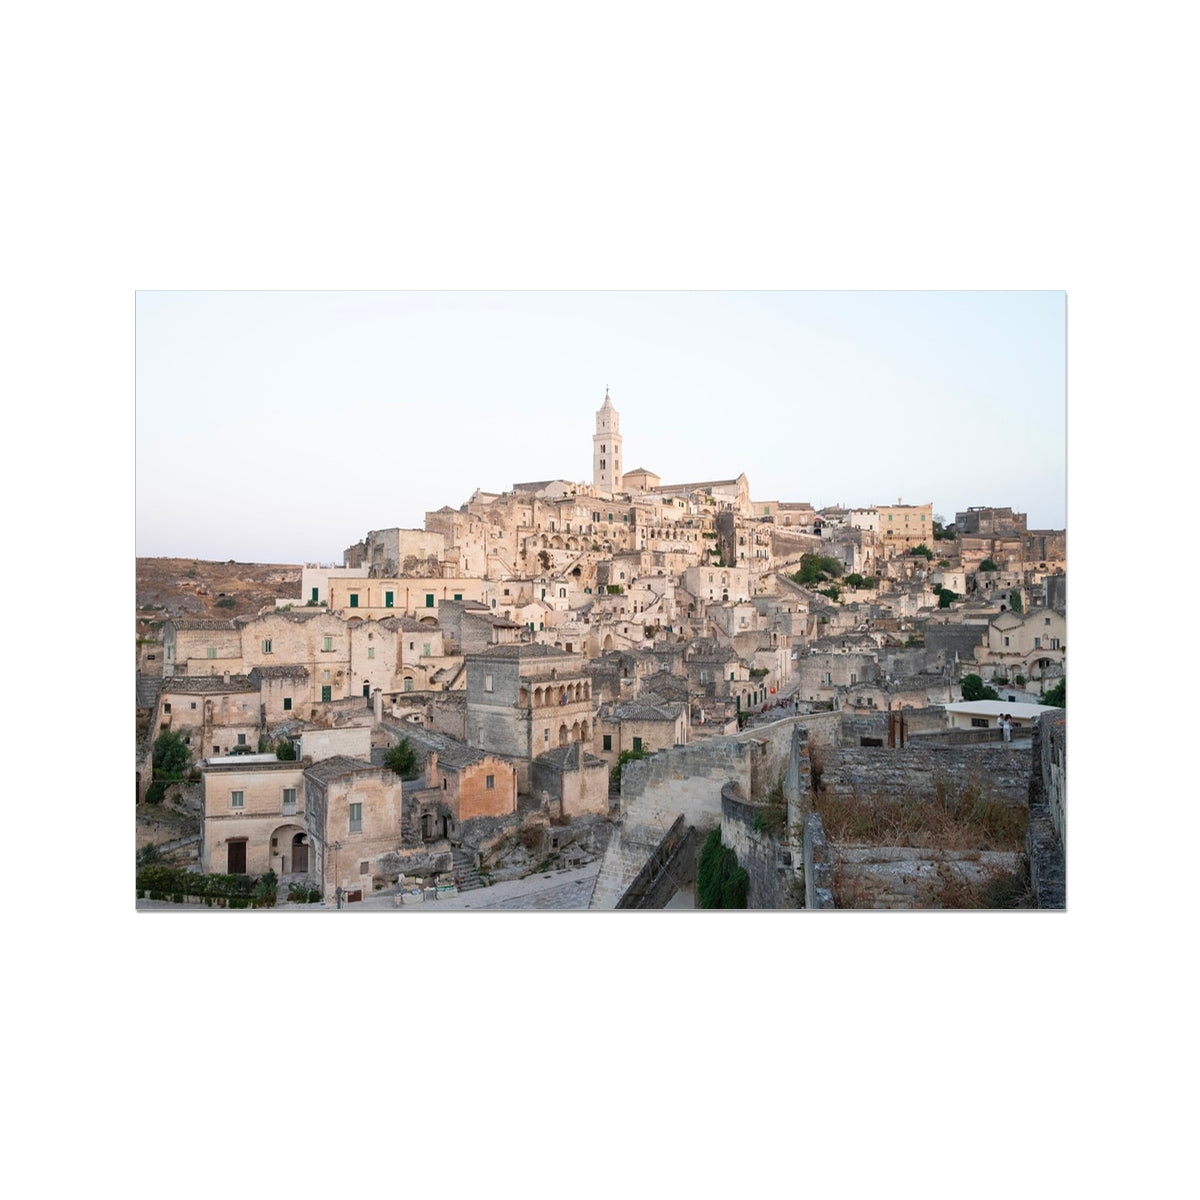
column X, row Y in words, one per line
column 559, row 891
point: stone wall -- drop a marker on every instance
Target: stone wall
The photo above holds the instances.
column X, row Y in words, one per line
column 1003, row 771
column 909, row 877
column 818, row 865
column 1045, row 840
column 765, row 859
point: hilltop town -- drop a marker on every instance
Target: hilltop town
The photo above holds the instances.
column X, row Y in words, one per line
column 704, row 698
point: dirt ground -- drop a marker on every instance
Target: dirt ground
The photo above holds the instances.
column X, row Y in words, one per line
column 186, row 587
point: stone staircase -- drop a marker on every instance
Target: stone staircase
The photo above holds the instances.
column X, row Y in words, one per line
column 466, row 874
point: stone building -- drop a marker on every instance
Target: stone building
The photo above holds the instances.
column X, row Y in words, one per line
column 214, row 714
column 606, row 449
column 640, row 725
column 353, row 815
column 253, row 816
column 459, row 783
column 526, row 699
column 571, row 781
column 903, row 526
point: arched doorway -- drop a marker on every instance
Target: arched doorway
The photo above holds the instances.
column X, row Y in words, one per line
column 290, row 850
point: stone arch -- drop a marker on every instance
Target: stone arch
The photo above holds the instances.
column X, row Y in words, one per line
column 523, row 696
column 584, row 732
column 538, row 698
column 575, row 735
column 563, row 735
column 608, row 641
column 288, row 842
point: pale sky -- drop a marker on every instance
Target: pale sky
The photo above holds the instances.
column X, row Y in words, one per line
column 282, row 426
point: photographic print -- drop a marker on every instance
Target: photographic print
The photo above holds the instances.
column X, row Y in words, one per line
column 599, row 601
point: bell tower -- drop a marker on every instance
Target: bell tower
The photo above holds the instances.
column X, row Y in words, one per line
column 606, row 448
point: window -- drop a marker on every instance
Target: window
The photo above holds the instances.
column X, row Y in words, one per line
column 979, row 722
column 324, row 674
column 610, row 518
column 1037, row 643
column 241, row 739
column 289, row 800
column 596, row 517
column 266, row 645
column 353, row 599
column 212, row 652
column 428, row 599
column 637, row 744
column 487, row 683
column 602, row 464
column 608, row 741
column 458, row 595
column 193, row 704
column 287, row 704
column 167, row 707
column 412, row 645
column 1006, row 641
column 546, row 737
column 236, row 799
column 364, row 868
column 326, row 693
column 370, row 651
column 1047, row 620
column 408, row 685
column 490, row 782
column 356, row 818
column 389, row 599
column 327, row 644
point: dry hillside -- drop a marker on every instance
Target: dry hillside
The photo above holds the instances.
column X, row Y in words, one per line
column 187, row 587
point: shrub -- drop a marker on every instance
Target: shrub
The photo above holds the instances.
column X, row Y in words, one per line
column 314, row 895
column 171, row 756
column 402, row 759
column 227, row 602
column 286, row 750
column 1019, row 680
column 1057, row 695
column 155, row 792
column 720, row 882
column 988, row 565
column 923, row 551
column 973, row 688
column 614, row 776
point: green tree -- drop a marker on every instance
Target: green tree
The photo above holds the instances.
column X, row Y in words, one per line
column 720, row 882
column 402, row 759
column 814, row 568
column 988, row 565
column 924, row 551
column 614, row 776
column 1057, row 695
column 1015, row 601
column 973, row 688
column 172, row 757
column 286, row 751
column 946, row 597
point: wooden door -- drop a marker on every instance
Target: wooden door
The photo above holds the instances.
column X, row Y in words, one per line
column 299, row 855
column 237, row 858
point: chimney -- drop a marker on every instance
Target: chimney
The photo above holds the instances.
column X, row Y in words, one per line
column 431, row 771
